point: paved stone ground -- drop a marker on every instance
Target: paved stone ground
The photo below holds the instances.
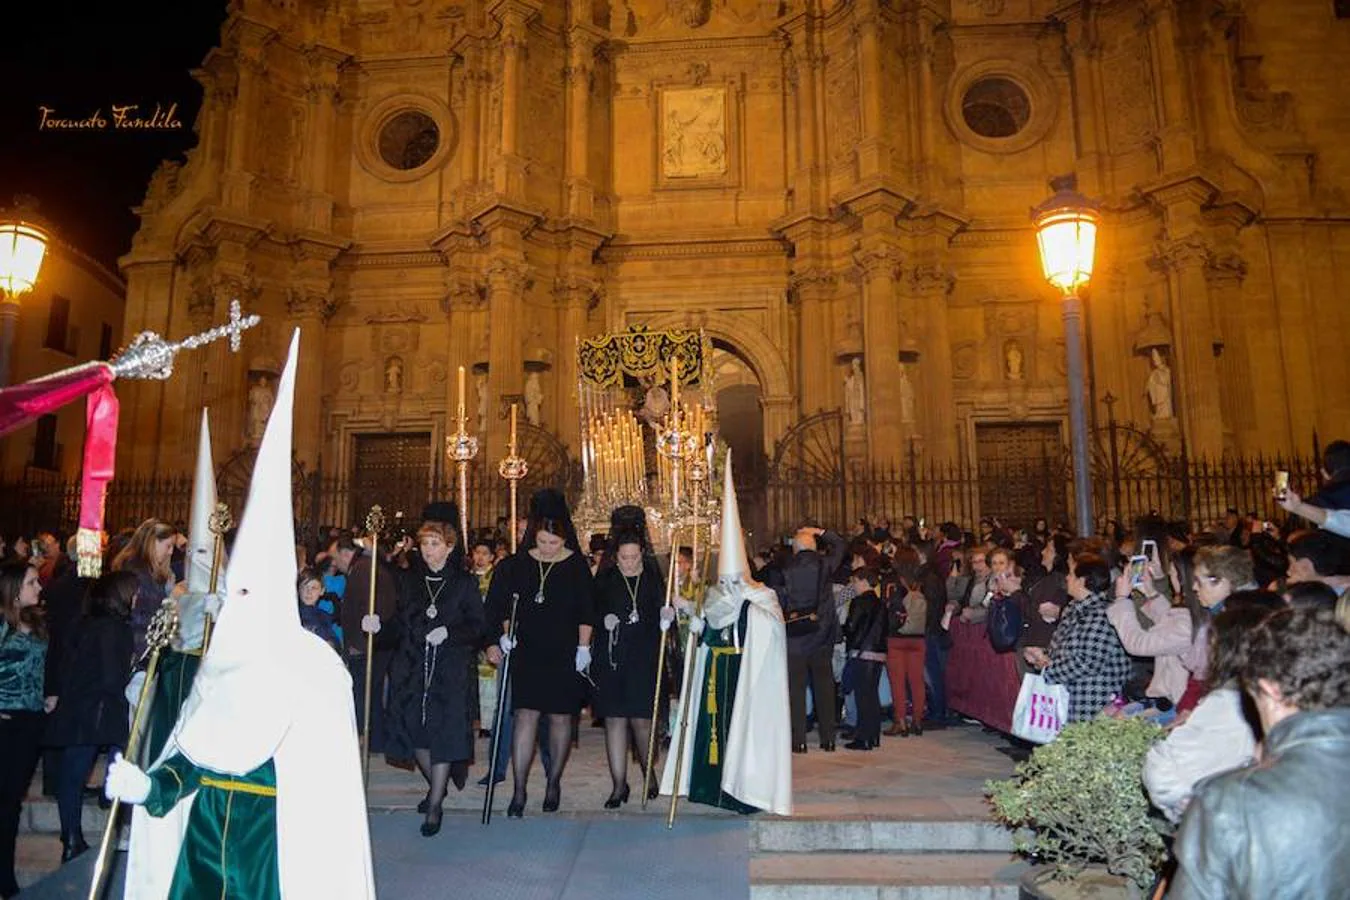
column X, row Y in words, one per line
column 937, row 777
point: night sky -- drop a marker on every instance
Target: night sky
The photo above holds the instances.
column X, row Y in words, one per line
column 83, row 58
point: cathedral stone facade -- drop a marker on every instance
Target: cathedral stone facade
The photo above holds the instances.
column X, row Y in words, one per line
column 427, row 184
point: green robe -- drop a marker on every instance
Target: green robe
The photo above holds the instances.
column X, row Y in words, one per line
column 230, row 847
column 713, row 721
column 173, row 681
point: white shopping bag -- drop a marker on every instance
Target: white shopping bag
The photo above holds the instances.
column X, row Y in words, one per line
column 1041, row 711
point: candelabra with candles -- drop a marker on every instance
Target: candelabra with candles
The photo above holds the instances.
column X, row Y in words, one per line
column 513, row 468
column 462, row 447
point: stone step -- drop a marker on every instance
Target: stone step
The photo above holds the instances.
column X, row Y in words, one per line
column 877, row 834
column 40, row 816
column 37, row 856
column 885, row 876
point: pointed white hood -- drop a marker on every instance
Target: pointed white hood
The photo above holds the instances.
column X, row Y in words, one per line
column 240, row 705
column 732, row 562
column 201, row 542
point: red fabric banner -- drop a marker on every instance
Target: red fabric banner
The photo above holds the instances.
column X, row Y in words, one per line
column 25, row 403
column 100, row 454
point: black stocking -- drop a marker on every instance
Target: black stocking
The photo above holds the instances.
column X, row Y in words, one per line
column 423, row 759
column 642, row 736
column 616, row 748
column 559, row 745
column 524, row 735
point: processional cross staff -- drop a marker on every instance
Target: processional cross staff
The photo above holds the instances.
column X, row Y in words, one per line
column 374, row 525
column 220, row 522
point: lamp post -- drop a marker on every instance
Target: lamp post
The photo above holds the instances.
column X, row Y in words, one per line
column 22, row 247
column 1066, row 231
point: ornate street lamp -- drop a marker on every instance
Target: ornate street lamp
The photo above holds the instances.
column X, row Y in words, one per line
column 1066, row 231
column 22, row 248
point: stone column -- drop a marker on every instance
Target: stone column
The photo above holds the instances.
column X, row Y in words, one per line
column 513, row 16
column 321, row 90
column 507, row 281
column 1184, row 260
column 252, row 72
column 813, row 290
column 1297, row 323
column 310, row 304
column 1172, row 78
column 581, row 43
column 803, row 64
column 1224, row 273
column 929, row 285
column 150, row 283
column 575, row 294
column 873, row 148
column 878, row 265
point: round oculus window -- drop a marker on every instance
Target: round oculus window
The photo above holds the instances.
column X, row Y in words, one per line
column 996, row 107
column 408, row 140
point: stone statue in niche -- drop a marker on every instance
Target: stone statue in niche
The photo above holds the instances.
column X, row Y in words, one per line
column 480, row 385
column 393, row 376
column 1014, row 362
column 260, row 399
column 534, row 398
column 906, row 396
column 1159, row 386
column 855, row 393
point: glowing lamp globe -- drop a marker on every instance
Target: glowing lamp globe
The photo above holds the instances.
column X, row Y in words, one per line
column 1066, row 231
column 22, row 248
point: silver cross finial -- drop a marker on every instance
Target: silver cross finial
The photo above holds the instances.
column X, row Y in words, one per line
column 150, row 356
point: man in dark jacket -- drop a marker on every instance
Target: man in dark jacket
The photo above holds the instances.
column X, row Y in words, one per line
column 352, row 560
column 812, row 628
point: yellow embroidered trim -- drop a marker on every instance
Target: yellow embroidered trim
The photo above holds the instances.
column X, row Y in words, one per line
column 242, row 787
column 177, row 778
column 714, row 754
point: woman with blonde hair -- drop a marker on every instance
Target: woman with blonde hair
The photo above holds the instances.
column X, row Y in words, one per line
column 147, row 555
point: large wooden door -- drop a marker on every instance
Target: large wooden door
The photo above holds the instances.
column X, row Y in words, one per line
column 393, row 470
column 1021, row 470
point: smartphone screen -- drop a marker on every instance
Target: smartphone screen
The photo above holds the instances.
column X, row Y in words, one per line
column 1136, row 570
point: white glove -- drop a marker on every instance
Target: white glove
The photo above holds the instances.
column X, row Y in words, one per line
column 507, row 643
column 437, row 635
column 583, row 658
column 695, row 625
column 611, row 622
column 133, row 691
column 667, row 616
column 370, row 624
column 211, row 605
column 126, row 782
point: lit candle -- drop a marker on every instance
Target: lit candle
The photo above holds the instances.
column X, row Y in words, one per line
column 675, row 392
column 513, row 413
column 461, row 398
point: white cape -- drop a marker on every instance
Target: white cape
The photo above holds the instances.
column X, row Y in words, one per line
column 323, row 836
column 757, row 760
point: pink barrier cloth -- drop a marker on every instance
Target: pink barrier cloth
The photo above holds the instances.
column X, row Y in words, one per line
column 21, row 404
column 981, row 684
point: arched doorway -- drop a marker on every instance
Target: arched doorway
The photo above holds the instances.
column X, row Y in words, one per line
column 740, row 419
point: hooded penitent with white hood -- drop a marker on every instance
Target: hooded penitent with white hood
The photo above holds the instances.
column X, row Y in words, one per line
column 178, row 664
column 737, row 751
column 258, row 793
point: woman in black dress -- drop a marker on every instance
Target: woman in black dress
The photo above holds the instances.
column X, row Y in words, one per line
column 91, row 711
column 629, row 615
column 430, row 710
column 550, row 582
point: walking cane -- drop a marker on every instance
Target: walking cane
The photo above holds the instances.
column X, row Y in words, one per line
column 161, row 632
column 502, row 688
column 512, row 468
column 374, row 524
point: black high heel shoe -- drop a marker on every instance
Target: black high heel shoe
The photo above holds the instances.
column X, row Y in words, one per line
column 431, row 828
column 72, row 849
column 425, row 804
column 459, row 774
column 516, row 808
column 552, row 797
column 617, row 798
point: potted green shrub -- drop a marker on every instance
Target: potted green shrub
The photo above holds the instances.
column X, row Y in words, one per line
column 1079, row 806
